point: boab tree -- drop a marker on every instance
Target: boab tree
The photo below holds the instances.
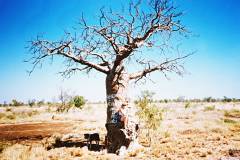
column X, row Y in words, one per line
column 138, row 36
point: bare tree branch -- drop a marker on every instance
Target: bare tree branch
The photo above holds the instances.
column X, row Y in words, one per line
column 167, row 66
column 43, row 48
column 117, row 37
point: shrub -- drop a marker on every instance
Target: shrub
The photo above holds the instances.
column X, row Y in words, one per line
column 187, row 105
column 11, row 116
column 5, row 104
column 209, row 108
column 167, row 134
column 31, row 102
column 180, row 99
column 2, row 115
column 232, row 113
column 3, row 145
column 149, row 112
column 16, row 103
column 209, row 99
column 30, row 114
column 226, row 99
column 165, row 101
column 8, row 109
column 79, row 101
column 40, row 103
column 49, row 103
column 226, row 120
column 65, row 101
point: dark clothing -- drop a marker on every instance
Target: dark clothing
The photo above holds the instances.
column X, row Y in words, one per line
column 116, row 118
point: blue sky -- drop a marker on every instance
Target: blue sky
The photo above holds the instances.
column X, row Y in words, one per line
column 212, row 71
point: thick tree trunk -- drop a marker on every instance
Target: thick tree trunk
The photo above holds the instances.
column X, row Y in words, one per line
column 117, row 135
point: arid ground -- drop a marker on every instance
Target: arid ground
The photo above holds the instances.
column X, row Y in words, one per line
column 188, row 131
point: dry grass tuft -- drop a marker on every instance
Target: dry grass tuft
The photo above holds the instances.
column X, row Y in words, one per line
column 191, row 131
column 234, row 113
column 235, row 127
column 162, row 151
column 76, row 152
column 217, row 130
column 11, row 116
column 136, row 152
column 209, row 108
column 49, row 142
column 8, row 109
column 227, row 120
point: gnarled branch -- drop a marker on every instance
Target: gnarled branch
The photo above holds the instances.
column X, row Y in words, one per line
column 118, row 38
column 43, row 48
column 168, row 65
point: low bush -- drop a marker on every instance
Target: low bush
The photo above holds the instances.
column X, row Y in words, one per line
column 8, row 109
column 17, row 115
column 2, row 115
column 79, row 101
column 30, row 114
column 7, row 116
column 16, row 103
column 11, row 116
column 187, row 105
column 149, row 113
column 167, row 134
column 209, row 108
column 5, row 104
column 3, row 145
column 226, row 120
column 31, row 103
column 232, row 113
column 40, row 103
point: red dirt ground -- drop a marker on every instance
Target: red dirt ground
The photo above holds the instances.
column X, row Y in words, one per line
column 31, row 131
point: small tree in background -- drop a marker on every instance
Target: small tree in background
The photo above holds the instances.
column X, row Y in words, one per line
column 16, row 103
column 226, row 99
column 79, row 101
column 32, row 102
column 207, row 99
column 40, row 103
column 5, row 104
column 149, row 113
column 65, row 101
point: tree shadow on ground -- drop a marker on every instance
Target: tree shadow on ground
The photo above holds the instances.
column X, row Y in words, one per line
column 92, row 147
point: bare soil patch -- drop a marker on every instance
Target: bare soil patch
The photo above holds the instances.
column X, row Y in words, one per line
column 26, row 131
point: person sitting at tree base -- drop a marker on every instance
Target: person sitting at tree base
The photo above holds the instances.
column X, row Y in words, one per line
column 121, row 116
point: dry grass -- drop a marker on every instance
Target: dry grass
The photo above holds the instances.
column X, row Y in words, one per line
column 7, row 116
column 38, row 152
column 183, row 135
column 209, row 108
column 232, row 120
column 234, row 113
column 226, row 120
column 11, row 116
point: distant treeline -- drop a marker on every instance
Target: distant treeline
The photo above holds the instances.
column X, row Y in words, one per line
column 207, row 99
column 31, row 103
column 76, row 101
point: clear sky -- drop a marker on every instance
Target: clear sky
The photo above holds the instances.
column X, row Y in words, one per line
column 212, row 71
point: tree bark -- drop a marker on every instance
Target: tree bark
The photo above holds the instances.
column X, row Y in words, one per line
column 117, row 82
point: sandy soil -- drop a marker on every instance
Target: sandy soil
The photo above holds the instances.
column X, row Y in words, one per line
column 185, row 133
